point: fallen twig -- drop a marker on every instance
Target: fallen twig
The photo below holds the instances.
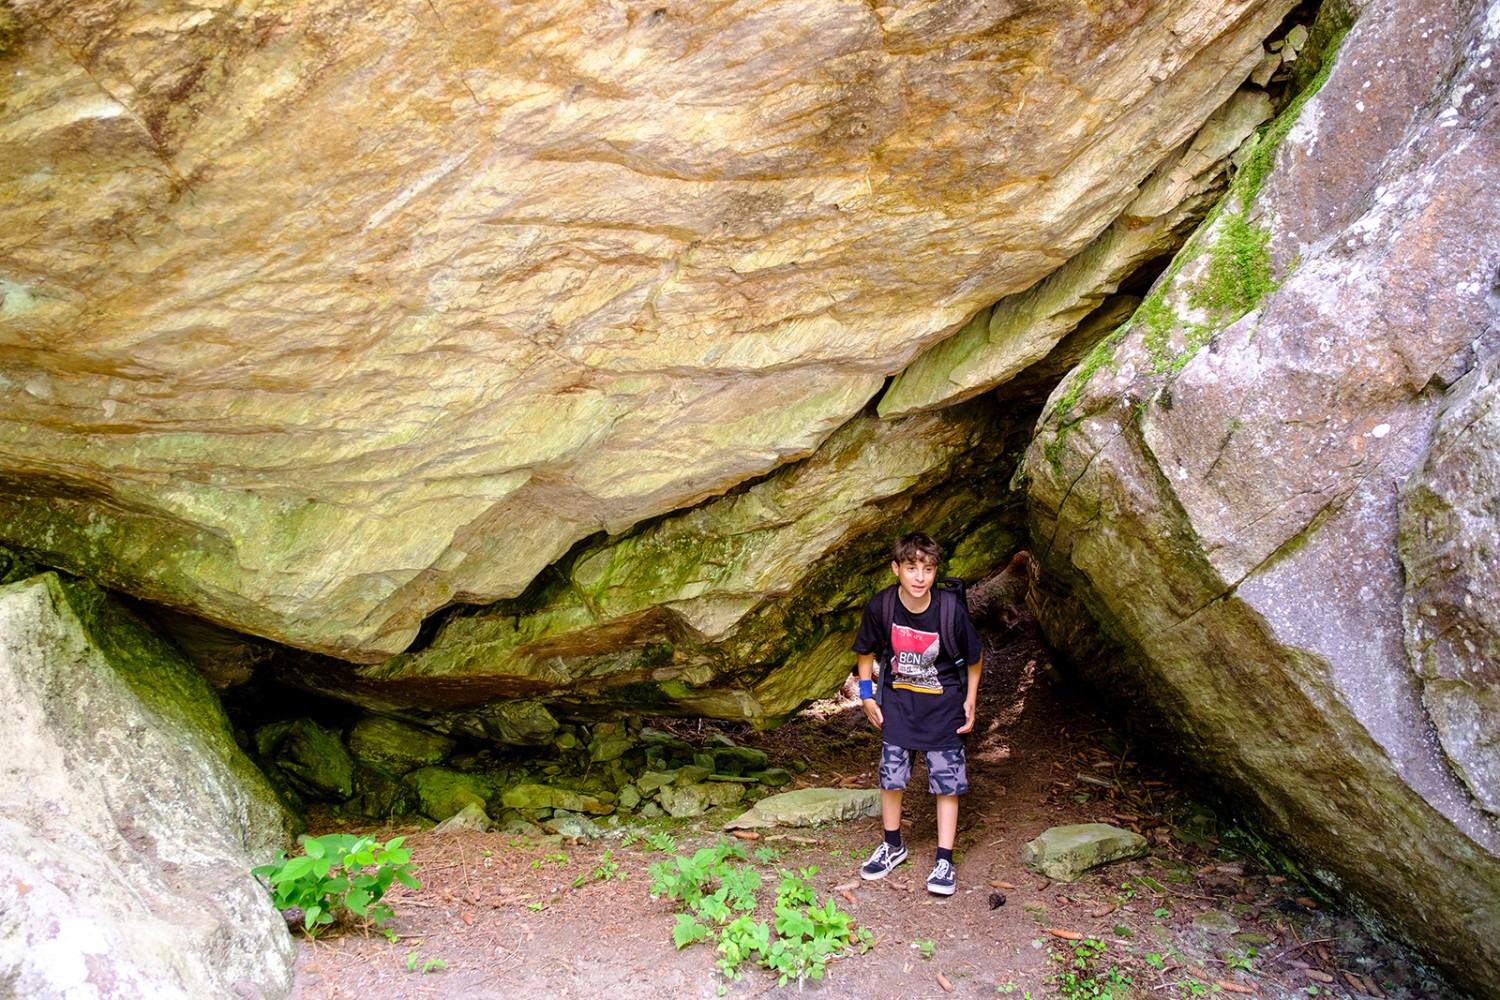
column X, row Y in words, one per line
column 1290, row 949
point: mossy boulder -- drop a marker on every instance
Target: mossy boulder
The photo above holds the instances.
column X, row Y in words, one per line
column 132, row 819
column 535, row 797
column 312, row 758
column 739, row 760
column 685, row 801
column 396, row 747
column 442, row 792
column 378, row 795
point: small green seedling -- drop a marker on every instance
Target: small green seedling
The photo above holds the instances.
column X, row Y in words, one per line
column 924, row 948
column 663, row 841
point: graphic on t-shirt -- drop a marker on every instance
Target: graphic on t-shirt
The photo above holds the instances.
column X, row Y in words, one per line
column 915, row 660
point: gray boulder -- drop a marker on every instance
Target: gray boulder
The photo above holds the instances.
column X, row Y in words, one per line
column 1267, row 490
column 131, row 818
column 1450, row 552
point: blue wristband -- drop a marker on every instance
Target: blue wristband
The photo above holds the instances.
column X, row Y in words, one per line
column 866, row 690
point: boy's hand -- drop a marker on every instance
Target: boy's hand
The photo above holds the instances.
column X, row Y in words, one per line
column 874, row 714
column 968, row 725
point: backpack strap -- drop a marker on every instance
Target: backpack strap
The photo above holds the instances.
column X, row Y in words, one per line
column 948, row 624
column 887, row 609
column 948, row 606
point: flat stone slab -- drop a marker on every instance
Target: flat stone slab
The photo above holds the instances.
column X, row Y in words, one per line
column 1066, row 853
column 809, row 807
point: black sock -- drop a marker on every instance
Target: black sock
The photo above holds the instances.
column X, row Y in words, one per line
column 945, row 854
column 893, row 837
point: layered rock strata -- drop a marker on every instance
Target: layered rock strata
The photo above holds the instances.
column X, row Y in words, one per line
column 1267, row 488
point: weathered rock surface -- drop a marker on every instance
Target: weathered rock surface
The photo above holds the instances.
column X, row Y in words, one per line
column 1450, row 553
column 742, row 608
column 1067, row 853
column 809, row 807
column 320, row 317
column 131, row 820
column 1001, row 342
column 1220, row 486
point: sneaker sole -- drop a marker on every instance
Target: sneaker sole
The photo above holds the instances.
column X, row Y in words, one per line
column 940, row 890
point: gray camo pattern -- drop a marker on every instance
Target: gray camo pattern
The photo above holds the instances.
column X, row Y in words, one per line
column 947, row 771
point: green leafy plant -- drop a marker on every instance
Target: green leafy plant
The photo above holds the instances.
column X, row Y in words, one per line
column 767, row 855
column 796, row 888
column 924, row 948
column 689, row 878
column 720, row 900
column 339, row 873
column 606, row 869
column 1084, row 973
column 430, row 965
column 808, row 936
column 739, row 941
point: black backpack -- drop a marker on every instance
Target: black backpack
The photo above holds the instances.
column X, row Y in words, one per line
column 951, row 594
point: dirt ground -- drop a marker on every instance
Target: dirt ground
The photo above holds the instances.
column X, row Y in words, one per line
column 506, row 917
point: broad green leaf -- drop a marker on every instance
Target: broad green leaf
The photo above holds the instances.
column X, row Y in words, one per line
column 358, row 901
column 295, row 869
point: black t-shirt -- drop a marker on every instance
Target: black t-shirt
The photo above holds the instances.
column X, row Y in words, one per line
column 924, row 699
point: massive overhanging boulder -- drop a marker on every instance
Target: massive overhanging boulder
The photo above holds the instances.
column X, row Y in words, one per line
column 742, row 608
column 131, row 818
column 320, row 317
column 1003, row 341
column 1268, row 487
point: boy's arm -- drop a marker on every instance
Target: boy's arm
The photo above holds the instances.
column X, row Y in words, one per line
column 866, row 668
column 971, row 699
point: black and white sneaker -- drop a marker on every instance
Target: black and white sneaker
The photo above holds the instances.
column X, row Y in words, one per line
column 941, row 880
column 883, row 861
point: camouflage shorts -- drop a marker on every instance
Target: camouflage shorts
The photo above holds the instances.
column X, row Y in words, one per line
column 947, row 774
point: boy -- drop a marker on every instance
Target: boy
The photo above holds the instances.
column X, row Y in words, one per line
column 928, row 701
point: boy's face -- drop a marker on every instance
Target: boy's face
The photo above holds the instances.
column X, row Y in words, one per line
column 915, row 577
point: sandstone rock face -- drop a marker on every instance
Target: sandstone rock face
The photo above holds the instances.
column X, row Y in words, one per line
column 131, row 819
column 322, row 316
column 1267, row 488
column 742, row 608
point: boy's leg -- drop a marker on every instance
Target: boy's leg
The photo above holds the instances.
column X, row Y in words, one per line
column 890, row 810
column 947, row 820
column 947, row 779
column 895, row 772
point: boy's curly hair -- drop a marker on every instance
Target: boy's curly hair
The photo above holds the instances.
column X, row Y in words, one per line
column 917, row 547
